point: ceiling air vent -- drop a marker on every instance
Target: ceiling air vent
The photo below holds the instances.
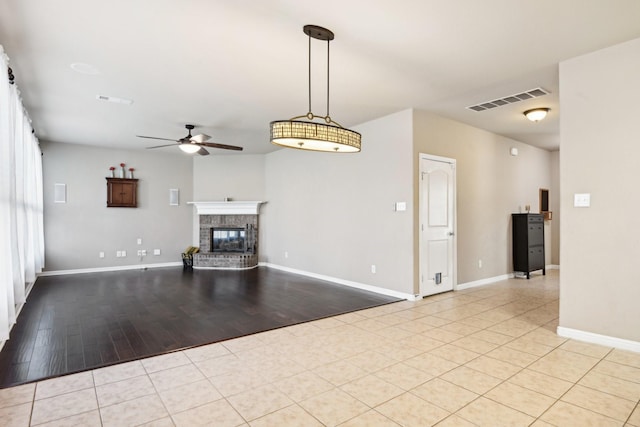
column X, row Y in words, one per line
column 529, row 94
column 114, row 99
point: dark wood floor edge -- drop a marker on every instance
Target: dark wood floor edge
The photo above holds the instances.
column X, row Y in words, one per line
column 112, row 269
column 342, row 282
column 373, row 305
column 317, row 276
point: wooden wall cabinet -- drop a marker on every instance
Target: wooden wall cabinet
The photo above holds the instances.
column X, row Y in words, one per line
column 528, row 243
column 122, row 193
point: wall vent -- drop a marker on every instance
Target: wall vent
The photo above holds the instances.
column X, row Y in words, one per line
column 529, row 94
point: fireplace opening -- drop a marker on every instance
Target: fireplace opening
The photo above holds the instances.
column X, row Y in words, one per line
column 227, row 239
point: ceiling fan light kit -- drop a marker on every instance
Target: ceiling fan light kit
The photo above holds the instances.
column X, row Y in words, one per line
column 189, row 147
column 329, row 136
column 536, row 114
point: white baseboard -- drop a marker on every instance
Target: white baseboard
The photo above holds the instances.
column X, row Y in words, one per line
column 103, row 269
column 344, row 282
column 495, row 279
column 482, row 282
column 604, row 340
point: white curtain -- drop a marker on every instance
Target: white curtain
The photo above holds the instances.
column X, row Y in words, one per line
column 21, row 202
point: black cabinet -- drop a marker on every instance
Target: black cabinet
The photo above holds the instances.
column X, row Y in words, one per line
column 528, row 243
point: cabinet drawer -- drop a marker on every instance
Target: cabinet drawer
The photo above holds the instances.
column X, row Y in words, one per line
column 536, row 234
column 536, row 258
column 535, row 219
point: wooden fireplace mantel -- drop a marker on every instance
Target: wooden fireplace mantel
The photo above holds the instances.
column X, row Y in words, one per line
column 227, row 208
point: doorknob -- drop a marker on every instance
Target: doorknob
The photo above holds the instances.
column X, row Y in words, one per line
column 450, row 233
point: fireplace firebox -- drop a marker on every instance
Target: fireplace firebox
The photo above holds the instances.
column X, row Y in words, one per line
column 231, row 239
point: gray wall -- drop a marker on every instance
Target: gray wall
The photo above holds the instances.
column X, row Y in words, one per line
column 76, row 231
column 240, row 177
column 600, row 245
column 491, row 185
column 333, row 214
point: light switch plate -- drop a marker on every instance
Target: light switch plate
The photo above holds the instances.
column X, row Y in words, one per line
column 401, row 206
column 582, row 200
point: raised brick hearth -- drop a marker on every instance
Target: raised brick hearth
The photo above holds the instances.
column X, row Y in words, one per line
column 241, row 215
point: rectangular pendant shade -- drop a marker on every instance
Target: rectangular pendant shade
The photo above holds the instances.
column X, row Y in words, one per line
column 314, row 136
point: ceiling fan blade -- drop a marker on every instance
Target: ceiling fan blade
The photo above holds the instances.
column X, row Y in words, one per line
column 202, row 152
column 160, row 146
column 223, row 146
column 153, row 137
column 200, row 138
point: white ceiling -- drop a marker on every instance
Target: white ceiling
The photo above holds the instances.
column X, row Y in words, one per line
column 232, row 66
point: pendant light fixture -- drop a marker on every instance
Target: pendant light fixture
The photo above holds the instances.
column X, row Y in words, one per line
column 329, row 136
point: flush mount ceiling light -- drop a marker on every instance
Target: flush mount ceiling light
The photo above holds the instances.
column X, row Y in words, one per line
column 536, row 114
column 329, row 136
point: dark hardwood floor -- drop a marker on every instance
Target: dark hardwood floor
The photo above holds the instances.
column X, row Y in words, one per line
column 77, row 322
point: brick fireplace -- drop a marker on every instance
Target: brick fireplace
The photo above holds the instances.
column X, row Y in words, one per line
column 233, row 226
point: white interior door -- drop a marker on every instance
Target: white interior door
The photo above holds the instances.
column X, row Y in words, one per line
column 437, row 224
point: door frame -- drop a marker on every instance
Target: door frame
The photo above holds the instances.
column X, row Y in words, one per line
column 421, row 267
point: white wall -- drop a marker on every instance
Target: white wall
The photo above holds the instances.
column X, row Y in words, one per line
column 600, row 245
column 76, row 231
column 333, row 213
column 491, row 185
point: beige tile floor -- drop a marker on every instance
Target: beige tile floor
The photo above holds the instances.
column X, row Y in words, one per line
column 486, row 356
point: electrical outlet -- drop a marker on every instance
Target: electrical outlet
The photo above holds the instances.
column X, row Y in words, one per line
column 479, row 263
column 118, row 254
column 139, row 252
column 139, row 240
column 286, row 254
column 144, row 252
column 156, row 251
column 124, row 254
column 101, row 254
column 373, row 268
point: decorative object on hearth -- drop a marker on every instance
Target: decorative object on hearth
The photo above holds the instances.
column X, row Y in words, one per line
column 193, row 144
column 131, row 173
column 329, row 136
column 112, row 169
column 187, row 257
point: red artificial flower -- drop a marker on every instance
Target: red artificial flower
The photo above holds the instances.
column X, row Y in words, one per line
column 121, row 164
column 112, row 168
column 131, row 169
